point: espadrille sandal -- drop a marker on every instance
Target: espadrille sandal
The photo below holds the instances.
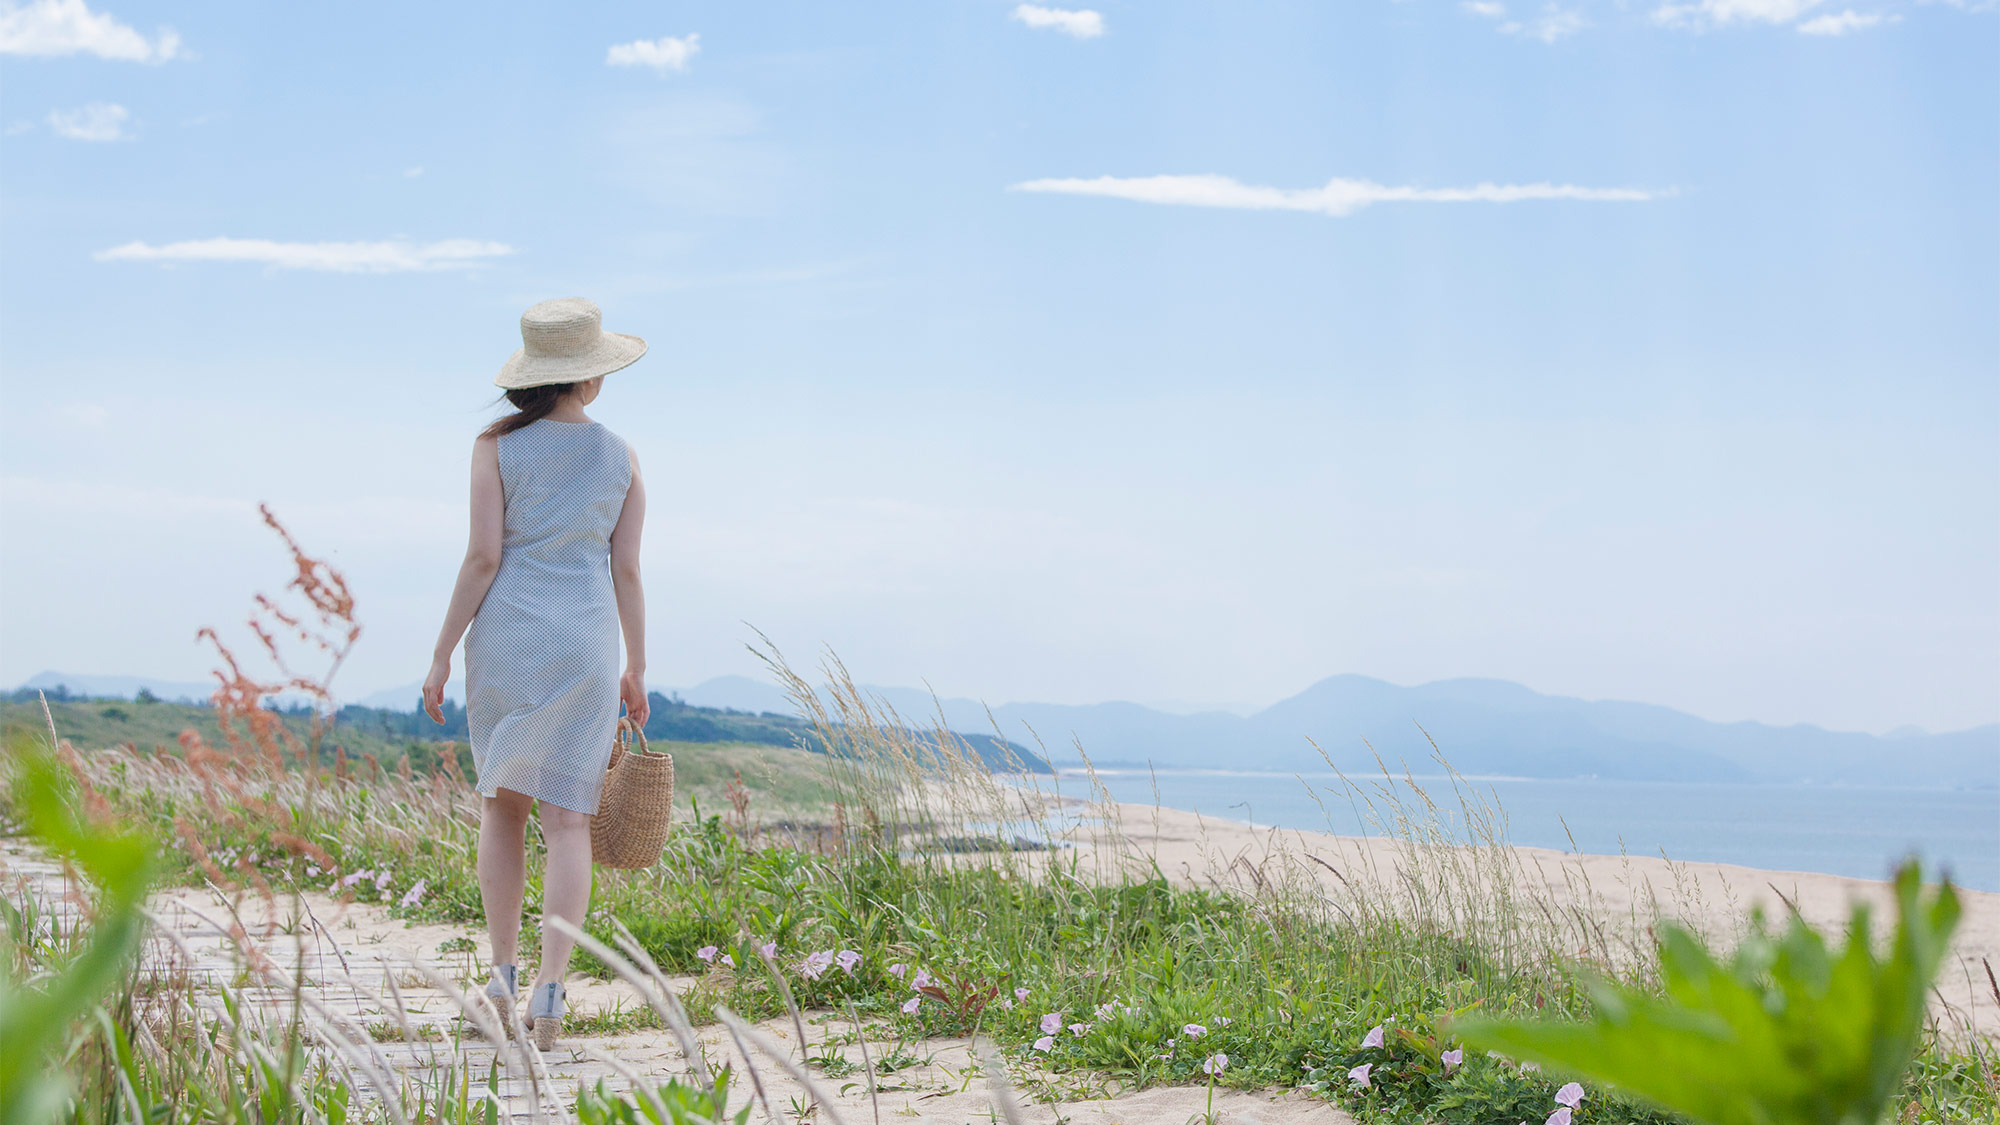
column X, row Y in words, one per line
column 545, row 1013
column 502, row 996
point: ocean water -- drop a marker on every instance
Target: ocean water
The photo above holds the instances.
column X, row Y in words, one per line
column 1859, row 832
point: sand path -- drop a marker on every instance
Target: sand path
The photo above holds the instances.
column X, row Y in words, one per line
column 369, row 976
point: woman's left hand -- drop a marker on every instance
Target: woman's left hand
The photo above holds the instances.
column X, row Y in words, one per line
column 632, row 689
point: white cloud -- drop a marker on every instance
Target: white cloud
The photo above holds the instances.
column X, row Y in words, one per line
column 98, row 121
column 69, row 27
column 1844, row 22
column 330, row 257
column 1078, row 24
column 1552, row 24
column 1339, row 197
column 413, row 172
column 662, row 54
column 1491, row 9
column 1719, row 13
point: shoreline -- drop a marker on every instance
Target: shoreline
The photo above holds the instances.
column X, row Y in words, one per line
column 1193, row 849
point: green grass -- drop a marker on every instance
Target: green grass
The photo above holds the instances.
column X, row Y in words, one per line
column 1286, row 992
column 1282, row 980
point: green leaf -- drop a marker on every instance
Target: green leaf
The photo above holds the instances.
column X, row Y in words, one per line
column 1786, row 1032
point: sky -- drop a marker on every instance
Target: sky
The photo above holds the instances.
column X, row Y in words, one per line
column 1184, row 353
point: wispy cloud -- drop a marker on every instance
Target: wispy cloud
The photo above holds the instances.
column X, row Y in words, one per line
column 68, row 27
column 1703, row 14
column 328, row 257
column 1080, row 23
column 413, row 172
column 1339, row 197
column 1554, row 22
column 1491, row 9
column 1843, row 22
column 663, row 54
column 98, row 121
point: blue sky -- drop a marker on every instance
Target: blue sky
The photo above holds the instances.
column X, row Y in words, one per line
column 1177, row 352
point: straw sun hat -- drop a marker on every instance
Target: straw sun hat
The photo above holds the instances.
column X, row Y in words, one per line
column 564, row 341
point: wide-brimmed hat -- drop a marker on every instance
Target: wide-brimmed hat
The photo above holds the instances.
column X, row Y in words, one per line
column 564, row 341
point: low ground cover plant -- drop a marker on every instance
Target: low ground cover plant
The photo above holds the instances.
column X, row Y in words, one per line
column 1086, row 973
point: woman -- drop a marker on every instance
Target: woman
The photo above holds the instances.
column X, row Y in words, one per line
column 550, row 578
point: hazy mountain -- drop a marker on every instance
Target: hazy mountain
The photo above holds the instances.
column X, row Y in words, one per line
column 123, row 687
column 1483, row 726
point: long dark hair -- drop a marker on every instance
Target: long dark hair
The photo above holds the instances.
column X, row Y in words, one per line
column 531, row 405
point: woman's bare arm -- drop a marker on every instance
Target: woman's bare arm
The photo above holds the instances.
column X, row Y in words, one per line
column 475, row 574
column 631, row 595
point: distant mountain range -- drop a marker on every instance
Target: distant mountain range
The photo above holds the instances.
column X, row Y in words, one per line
column 1483, row 727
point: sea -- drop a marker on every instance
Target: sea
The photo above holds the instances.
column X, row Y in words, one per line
column 1853, row 831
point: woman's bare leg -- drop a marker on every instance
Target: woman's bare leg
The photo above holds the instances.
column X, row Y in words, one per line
column 503, row 869
column 565, row 885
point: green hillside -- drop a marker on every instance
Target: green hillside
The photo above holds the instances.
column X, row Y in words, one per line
column 391, row 735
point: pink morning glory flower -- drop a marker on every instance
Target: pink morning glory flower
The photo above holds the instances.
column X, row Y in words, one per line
column 1215, row 1063
column 1079, row 1029
column 1373, row 1038
column 1453, row 1058
column 728, row 960
column 923, row 979
column 1020, row 994
column 707, row 953
column 1051, row 1023
column 1559, row 1117
column 1359, row 1075
column 1570, row 1095
column 768, row 949
column 848, row 959
column 816, row 963
column 910, row 1005
column 1194, row 1031
column 415, row 894
column 1045, row 1043
column 898, row 969
column 382, row 880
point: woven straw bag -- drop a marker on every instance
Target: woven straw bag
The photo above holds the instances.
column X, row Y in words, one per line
column 630, row 828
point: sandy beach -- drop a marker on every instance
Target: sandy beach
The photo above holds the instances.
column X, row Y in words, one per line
column 1193, row 850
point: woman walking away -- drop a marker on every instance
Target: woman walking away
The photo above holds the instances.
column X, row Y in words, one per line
column 550, row 578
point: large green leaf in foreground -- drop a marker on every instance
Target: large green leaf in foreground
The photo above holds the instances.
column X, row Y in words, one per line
column 1785, row 1031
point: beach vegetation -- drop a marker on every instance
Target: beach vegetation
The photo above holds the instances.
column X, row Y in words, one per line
column 1412, row 983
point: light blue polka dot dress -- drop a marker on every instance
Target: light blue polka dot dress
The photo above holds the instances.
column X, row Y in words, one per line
column 541, row 656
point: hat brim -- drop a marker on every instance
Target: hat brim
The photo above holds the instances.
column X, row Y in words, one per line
column 613, row 352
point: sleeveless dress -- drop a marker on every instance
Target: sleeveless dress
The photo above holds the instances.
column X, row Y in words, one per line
column 541, row 655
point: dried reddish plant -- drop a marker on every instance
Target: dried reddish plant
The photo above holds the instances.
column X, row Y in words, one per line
column 331, row 632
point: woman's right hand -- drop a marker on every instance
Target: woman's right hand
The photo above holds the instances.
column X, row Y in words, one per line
column 434, row 689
